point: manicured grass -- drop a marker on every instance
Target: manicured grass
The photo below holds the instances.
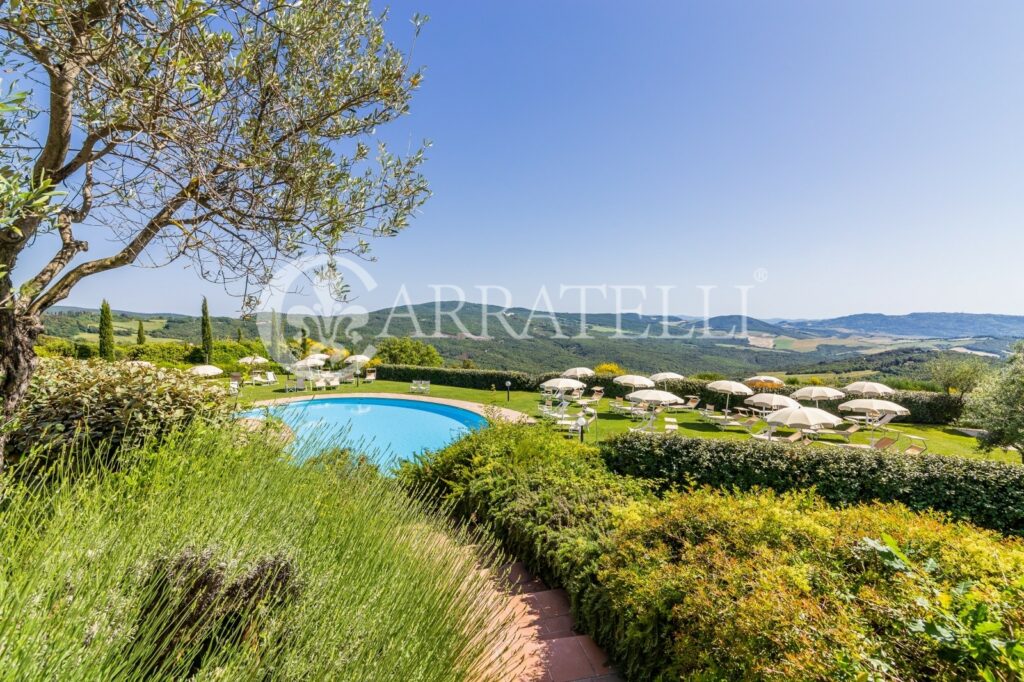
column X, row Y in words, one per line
column 941, row 440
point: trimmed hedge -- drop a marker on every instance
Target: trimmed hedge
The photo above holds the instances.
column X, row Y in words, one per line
column 483, row 379
column 988, row 494
column 709, row 584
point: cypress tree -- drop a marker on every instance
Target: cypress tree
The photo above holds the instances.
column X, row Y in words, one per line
column 207, row 332
column 106, row 332
column 140, row 335
column 238, row 336
column 275, row 341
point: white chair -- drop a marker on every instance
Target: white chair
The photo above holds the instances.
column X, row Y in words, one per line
column 371, row 376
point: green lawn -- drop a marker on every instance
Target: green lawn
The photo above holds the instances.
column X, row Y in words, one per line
column 941, row 440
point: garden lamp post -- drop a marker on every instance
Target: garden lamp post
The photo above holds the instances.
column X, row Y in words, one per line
column 581, row 421
column 508, row 391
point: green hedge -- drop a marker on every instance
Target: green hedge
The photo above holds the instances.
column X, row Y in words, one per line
column 988, row 494
column 709, row 584
column 483, row 379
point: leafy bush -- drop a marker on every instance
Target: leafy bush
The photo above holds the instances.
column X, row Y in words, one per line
column 71, row 402
column 986, row 493
column 215, row 557
column 761, row 586
column 612, row 368
column 712, row 585
column 755, row 585
column 395, row 350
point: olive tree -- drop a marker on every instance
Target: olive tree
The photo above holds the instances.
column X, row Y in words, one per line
column 960, row 374
column 232, row 133
column 997, row 405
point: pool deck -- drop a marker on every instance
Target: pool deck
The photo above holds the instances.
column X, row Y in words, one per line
column 489, row 411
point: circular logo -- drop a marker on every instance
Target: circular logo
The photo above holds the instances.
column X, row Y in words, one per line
column 307, row 302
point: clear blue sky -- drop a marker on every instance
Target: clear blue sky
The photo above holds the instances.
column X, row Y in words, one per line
column 866, row 156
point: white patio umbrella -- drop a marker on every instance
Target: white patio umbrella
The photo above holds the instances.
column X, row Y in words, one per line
column 139, row 363
column 318, row 356
column 578, row 373
column 817, row 393
column 652, row 396
column 308, row 363
column 561, row 384
column 868, row 389
column 729, row 388
column 666, row 376
column 762, row 380
column 633, row 381
column 357, row 360
column 801, row 417
column 874, row 405
column 205, row 371
column 771, row 401
column 252, row 360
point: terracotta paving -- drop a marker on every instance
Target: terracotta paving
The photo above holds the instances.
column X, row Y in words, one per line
column 556, row 652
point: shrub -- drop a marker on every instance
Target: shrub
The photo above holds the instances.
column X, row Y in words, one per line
column 612, row 368
column 216, row 557
column 740, row 585
column 986, row 493
column 72, row 402
column 394, row 350
column 483, row 379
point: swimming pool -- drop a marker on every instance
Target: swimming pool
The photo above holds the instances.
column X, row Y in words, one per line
column 383, row 429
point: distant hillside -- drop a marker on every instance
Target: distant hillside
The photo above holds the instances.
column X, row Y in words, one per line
column 922, row 325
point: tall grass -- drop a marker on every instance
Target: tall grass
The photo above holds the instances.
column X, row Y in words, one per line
column 214, row 557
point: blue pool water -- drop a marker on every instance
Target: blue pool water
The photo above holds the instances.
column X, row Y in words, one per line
column 383, row 429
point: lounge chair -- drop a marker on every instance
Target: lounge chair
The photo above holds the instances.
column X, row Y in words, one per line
column 794, row 437
column 371, row 376
column 233, row 387
column 265, row 379
column 882, row 422
column 917, row 445
column 842, row 433
column 333, row 381
column 879, row 445
column 299, row 385
column 620, row 406
column 726, row 423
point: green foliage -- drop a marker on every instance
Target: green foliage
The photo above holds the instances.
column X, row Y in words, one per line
column 140, row 334
column 407, row 351
column 997, row 405
column 989, row 494
column 207, row 333
column 612, row 368
column 483, row 379
column 108, row 404
column 216, row 557
column 735, row 585
column 106, row 332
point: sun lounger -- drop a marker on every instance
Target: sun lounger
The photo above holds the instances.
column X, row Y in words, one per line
column 917, row 445
column 371, row 376
column 794, row 437
column 842, row 433
column 420, row 386
column 880, row 444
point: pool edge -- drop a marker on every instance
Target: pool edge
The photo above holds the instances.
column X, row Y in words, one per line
column 502, row 413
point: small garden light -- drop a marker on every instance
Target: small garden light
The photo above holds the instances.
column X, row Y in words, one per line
column 581, row 421
column 508, row 391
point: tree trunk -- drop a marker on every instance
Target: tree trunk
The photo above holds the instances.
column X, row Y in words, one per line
column 18, row 334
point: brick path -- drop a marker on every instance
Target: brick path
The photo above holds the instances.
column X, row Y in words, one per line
column 556, row 652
